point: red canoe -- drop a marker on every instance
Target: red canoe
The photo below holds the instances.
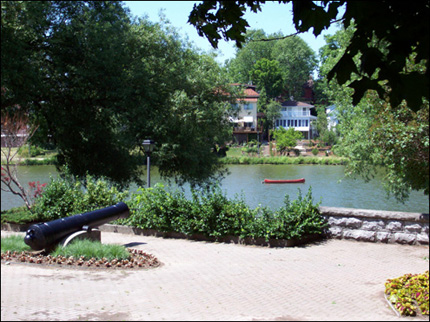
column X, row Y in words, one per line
column 302, row 180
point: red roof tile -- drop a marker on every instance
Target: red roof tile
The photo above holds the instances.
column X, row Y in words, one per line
column 249, row 92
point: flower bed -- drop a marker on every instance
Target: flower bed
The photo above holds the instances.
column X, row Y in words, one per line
column 138, row 259
column 409, row 293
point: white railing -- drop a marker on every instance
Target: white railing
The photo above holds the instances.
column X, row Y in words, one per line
column 296, row 114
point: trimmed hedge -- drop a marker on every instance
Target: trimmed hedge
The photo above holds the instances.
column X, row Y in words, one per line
column 212, row 214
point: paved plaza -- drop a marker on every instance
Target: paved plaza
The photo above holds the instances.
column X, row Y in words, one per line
column 329, row 280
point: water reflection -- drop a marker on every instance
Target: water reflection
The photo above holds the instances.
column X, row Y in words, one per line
column 246, row 181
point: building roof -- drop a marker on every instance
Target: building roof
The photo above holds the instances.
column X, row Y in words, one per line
column 296, row 103
column 250, row 95
column 249, row 92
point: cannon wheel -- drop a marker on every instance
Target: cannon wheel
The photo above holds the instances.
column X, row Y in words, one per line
column 93, row 234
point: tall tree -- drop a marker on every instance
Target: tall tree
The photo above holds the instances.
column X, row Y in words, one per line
column 267, row 75
column 297, row 62
column 295, row 58
column 103, row 82
column 374, row 135
column 241, row 66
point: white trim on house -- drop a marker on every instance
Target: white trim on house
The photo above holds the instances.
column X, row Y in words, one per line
column 297, row 115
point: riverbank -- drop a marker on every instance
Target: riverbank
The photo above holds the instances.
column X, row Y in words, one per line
column 323, row 156
column 331, row 160
column 233, row 157
column 46, row 157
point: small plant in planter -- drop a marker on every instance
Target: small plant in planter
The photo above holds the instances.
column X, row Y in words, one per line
column 408, row 293
column 315, row 151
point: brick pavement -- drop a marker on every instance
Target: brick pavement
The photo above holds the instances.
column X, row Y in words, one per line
column 331, row 280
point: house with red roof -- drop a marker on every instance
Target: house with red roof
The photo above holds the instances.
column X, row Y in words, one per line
column 246, row 122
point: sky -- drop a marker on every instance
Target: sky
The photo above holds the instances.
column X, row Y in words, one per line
column 274, row 17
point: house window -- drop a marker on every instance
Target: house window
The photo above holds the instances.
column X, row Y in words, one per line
column 295, row 123
column 247, row 106
column 304, row 111
column 285, row 123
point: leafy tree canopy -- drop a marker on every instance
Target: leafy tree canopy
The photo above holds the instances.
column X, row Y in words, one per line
column 286, row 140
column 101, row 82
column 401, row 30
column 377, row 138
column 267, row 75
column 295, row 58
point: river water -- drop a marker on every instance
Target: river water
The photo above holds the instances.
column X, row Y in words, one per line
column 327, row 182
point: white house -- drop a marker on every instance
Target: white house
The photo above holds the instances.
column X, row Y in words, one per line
column 297, row 115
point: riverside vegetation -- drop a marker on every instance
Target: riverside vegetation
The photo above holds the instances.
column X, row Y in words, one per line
column 248, row 154
column 208, row 212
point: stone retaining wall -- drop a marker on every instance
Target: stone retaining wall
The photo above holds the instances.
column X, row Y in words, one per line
column 377, row 226
column 344, row 223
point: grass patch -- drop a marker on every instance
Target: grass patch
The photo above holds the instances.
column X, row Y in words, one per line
column 14, row 243
column 51, row 160
column 234, row 152
column 92, row 249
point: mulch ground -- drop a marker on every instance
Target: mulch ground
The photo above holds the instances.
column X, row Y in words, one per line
column 138, row 260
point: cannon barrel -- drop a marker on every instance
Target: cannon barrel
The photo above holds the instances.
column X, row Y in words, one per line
column 40, row 236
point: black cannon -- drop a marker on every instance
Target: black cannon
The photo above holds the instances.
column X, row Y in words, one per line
column 44, row 235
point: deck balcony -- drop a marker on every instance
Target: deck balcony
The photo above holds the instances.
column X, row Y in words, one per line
column 247, row 129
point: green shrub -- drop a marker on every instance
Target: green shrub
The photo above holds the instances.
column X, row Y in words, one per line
column 298, row 217
column 211, row 213
column 18, row 215
column 64, row 197
column 60, row 198
column 315, row 152
column 30, row 151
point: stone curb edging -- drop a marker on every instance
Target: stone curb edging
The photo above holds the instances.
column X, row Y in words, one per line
column 377, row 226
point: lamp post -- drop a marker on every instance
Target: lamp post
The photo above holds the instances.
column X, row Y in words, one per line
column 148, row 146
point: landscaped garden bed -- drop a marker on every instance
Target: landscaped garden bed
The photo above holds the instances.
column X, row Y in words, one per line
column 409, row 294
column 81, row 253
column 138, row 260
